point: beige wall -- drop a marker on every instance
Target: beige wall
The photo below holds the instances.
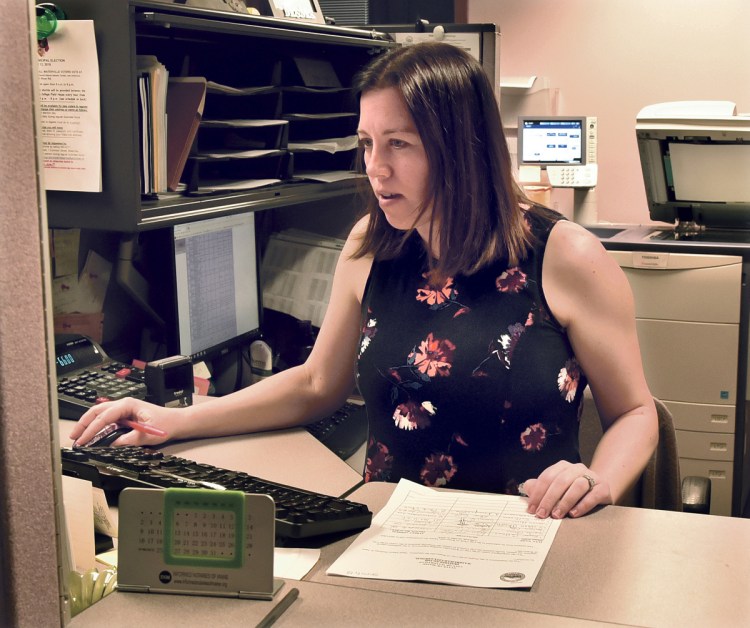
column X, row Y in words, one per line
column 610, row 58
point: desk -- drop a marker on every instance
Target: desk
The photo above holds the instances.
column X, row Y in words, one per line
column 623, row 566
column 317, row 605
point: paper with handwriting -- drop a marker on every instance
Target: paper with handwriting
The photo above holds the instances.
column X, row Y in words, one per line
column 456, row 537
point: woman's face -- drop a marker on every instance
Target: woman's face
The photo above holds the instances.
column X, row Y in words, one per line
column 395, row 159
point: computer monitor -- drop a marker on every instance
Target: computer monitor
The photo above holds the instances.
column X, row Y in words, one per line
column 216, row 281
column 551, row 140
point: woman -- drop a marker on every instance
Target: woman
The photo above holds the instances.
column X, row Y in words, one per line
column 471, row 353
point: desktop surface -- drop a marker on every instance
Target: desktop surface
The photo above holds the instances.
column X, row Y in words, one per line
column 292, row 456
column 317, row 605
column 627, row 566
column 618, row 565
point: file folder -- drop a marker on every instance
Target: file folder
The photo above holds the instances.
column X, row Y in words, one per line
column 186, row 98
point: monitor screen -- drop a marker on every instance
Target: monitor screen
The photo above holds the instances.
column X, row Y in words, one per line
column 216, row 281
column 552, row 140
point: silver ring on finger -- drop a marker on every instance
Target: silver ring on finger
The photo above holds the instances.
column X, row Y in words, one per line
column 590, row 480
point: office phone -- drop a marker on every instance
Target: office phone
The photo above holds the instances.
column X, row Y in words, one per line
column 86, row 375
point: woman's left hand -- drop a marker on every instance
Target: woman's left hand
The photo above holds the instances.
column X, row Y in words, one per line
column 566, row 489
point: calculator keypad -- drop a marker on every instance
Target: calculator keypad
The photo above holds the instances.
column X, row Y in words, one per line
column 109, row 382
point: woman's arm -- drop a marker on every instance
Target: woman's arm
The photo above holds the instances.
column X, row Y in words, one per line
column 590, row 296
column 292, row 397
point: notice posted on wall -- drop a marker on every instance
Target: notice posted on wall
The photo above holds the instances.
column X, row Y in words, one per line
column 70, row 108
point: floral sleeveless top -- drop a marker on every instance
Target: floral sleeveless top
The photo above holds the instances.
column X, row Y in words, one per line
column 472, row 385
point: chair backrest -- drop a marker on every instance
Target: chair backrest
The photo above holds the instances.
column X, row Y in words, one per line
column 659, row 485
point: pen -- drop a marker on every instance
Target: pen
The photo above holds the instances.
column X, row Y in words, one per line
column 143, row 427
column 279, row 609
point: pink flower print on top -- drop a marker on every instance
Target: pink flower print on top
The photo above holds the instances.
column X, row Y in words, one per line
column 433, row 356
column 512, row 280
column 568, row 378
column 379, row 462
column 534, row 437
column 437, row 296
column 413, row 416
column 438, row 470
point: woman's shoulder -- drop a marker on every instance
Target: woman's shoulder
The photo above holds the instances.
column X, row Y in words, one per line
column 355, row 269
column 355, row 237
column 571, row 244
column 578, row 271
column 360, row 226
column 540, row 220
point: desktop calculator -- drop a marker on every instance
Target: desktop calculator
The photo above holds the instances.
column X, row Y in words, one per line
column 86, row 375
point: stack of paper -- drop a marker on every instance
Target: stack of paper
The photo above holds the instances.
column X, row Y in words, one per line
column 153, row 78
column 297, row 273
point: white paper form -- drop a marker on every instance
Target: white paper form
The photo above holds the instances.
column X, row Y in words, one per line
column 70, row 108
column 297, row 274
column 469, row 539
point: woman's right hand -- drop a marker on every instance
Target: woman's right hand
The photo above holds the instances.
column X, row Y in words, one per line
column 129, row 408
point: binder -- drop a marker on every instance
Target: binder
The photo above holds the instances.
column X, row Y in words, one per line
column 186, row 97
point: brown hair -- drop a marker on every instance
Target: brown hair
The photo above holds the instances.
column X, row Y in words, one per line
column 471, row 186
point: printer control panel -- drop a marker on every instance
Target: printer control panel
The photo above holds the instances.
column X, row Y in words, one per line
column 573, row 176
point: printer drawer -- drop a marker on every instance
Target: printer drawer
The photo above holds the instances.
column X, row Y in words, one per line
column 694, row 362
column 702, row 417
column 683, row 287
column 705, row 445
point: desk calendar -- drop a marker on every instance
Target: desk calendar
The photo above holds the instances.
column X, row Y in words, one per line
column 196, row 541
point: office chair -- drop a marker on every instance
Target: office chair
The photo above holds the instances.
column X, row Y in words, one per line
column 659, row 486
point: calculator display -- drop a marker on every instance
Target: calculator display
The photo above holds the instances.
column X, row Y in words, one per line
column 75, row 352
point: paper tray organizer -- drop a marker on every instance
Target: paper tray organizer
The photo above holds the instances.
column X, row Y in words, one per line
column 204, row 172
column 239, row 119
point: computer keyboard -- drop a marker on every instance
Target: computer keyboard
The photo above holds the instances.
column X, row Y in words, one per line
column 299, row 513
column 344, row 431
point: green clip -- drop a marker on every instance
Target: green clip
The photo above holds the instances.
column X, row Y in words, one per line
column 47, row 16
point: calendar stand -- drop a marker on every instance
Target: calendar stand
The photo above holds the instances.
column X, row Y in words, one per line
column 196, row 542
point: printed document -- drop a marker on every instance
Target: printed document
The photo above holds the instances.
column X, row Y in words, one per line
column 297, row 273
column 70, row 108
column 470, row 539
